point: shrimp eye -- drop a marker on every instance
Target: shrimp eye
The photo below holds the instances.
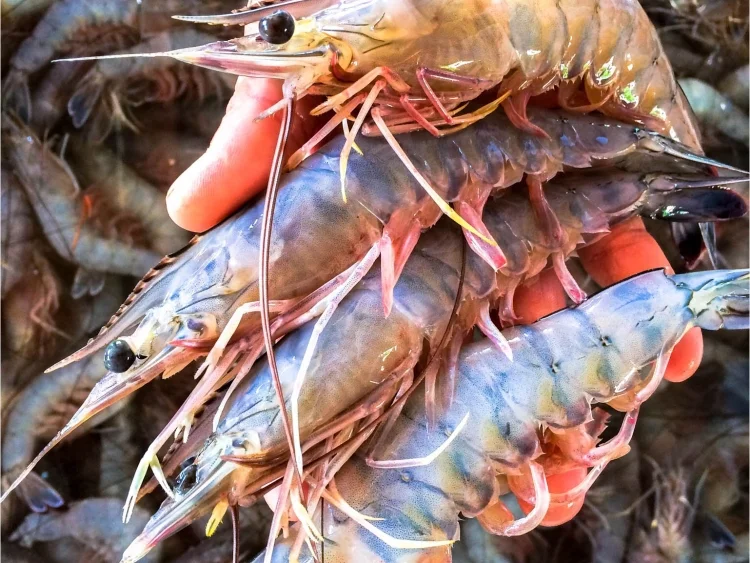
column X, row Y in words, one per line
column 186, row 479
column 118, row 357
column 277, row 28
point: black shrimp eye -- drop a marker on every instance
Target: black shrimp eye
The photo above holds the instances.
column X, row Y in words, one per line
column 118, row 357
column 277, row 28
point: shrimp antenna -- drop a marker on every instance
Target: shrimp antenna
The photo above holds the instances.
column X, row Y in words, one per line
column 265, row 251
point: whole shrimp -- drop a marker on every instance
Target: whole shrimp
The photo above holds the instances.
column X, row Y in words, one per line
column 61, row 209
column 139, row 81
column 436, row 54
column 427, row 472
column 37, row 414
column 18, row 235
column 414, row 64
column 84, row 27
column 126, row 191
column 92, row 522
column 203, row 294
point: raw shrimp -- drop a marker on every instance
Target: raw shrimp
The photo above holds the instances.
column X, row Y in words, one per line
column 736, row 86
column 492, row 424
column 192, row 296
column 161, row 156
column 134, row 81
column 437, row 54
column 715, row 110
column 562, row 364
column 51, row 95
column 55, row 196
column 93, row 522
column 38, row 413
column 85, row 27
column 126, row 191
column 18, row 230
column 30, row 320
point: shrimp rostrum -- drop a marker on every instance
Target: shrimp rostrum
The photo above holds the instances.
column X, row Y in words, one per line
column 201, row 301
column 406, row 491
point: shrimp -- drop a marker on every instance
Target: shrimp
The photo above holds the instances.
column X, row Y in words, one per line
column 55, row 196
column 437, row 54
column 128, row 192
column 114, row 86
column 161, row 156
column 426, row 473
column 38, row 413
column 30, row 311
column 92, row 522
column 414, row 64
column 198, row 299
column 123, row 83
column 715, row 110
column 18, row 230
column 83, row 27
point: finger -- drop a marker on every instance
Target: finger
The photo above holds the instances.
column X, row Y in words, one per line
column 558, row 514
column 539, row 297
column 628, row 250
column 236, row 165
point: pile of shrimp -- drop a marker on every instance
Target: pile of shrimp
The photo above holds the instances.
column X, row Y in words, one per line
column 354, row 385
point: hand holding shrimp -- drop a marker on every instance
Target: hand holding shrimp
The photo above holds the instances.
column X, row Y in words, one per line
column 220, row 181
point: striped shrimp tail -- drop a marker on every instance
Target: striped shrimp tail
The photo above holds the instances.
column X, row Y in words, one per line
column 719, row 298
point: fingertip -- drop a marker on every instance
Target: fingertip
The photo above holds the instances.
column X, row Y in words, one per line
column 686, row 357
column 558, row 514
column 235, row 166
column 538, row 297
column 628, row 250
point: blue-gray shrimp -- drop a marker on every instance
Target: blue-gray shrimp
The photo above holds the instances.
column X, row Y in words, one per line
column 126, row 82
column 505, row 417
column 93, row 522
column 37, row 414
column 62, row 209
column 245, row 436
column 714, row 110
column 199, row 298
column 18, row 236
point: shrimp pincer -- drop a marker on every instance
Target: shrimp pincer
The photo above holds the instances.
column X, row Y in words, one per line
column 563, row 364
column 204, row 296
